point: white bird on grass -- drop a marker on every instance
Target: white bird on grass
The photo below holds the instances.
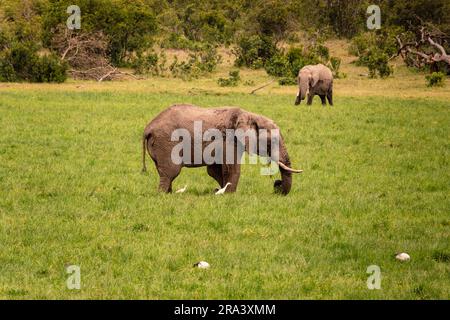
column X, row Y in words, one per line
column 221, row 191
column 202, row 265
column 402, row 256
column 181, row 190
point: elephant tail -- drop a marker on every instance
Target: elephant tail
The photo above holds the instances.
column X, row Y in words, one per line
column 144, row 150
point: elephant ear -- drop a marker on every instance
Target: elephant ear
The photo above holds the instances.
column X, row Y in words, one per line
column 246, row 121
column 314, row 78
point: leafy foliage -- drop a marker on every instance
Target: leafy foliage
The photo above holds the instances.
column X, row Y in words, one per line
column 273, row 19
column 287, row 65
column 199, row 63
column 436, row 79
column 378, row 64
column 373, row 50
column 129, row 25
column 232, row 81
column 256, row 29
column 253, row 51
column 20, row 62
column 146, row 64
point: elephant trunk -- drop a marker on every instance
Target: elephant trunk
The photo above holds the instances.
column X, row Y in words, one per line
column 284, row 185
column 302, row 91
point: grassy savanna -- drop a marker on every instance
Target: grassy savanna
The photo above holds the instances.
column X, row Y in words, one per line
column 376, row 182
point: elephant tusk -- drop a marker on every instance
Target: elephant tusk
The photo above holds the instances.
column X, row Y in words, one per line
column 285, row 167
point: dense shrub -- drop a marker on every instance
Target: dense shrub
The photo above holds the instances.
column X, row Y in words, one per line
column 255, row 27
column 287, row 65
column 300, row 57
column 177, row 41
column 254, row 51
column 272, row 18
column 199, row 63
column 436, row 79
column 335, row 65
column 378, row 64
column 21, row 62
column 278, row 66
column 49, row 69
column 287, row 81
column 146, row 64
column 232, row 81
column 208, row 59
column 373, row 50
column 322, row 52
column 203, row 24
column 363, row 45
column 129, row 25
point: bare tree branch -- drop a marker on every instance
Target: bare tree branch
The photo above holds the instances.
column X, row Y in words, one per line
column 420, row 52
column 86, row 53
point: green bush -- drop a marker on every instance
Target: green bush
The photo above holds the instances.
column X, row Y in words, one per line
column 322, row 52
column 272, row 18
column 287, row 81
column 335, row 65
column 129, row 25
column 21, row 62
column 382, row 40
column 378, row 64
column 232, row 81
column 278, row 66
column 288, row 65
column 300, row 57
column 199, row 63
column 436, row 79
column 208, row 59
column 201, row 24
column 373, row 50
column 254, row 51
column 146, row 64
column 7, row 72
column 49, row 69
column 176, row 41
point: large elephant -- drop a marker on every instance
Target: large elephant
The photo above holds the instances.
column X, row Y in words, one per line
column 158, row 142
column 315, row 80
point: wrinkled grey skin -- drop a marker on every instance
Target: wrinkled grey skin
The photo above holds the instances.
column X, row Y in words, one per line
column 157, row 141
column 315, row 80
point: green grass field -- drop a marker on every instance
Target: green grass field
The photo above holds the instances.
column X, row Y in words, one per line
column 376, row 182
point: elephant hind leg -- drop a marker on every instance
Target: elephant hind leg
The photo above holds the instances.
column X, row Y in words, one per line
column 330, row 97
column 166, row 176
column 322, row 98
column 215, row 171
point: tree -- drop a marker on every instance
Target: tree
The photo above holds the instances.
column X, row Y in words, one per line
column 426, row 47
column 274, row 19
column 129, row 25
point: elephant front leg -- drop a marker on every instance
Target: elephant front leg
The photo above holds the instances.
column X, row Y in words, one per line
column 215, row 171
column 231, row 173
column 298, row 99
column 310, row 99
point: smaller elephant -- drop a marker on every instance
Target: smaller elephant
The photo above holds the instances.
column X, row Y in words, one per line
column 315, row 80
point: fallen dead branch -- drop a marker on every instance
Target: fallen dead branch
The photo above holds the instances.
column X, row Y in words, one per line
column 86, row 53
column 263, row 86
column 426, row 50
